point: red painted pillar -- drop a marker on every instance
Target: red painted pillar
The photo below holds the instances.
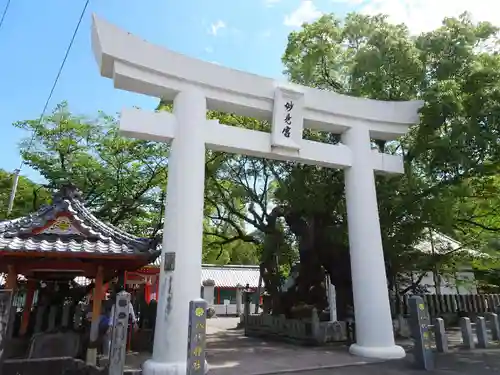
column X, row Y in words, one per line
column 147, row 292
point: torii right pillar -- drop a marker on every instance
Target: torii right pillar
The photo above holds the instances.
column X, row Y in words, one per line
column 374, row 332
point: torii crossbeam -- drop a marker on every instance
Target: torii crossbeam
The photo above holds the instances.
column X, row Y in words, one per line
column 195, row 86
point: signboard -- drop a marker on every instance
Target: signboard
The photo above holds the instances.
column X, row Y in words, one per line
column 227, row 302
column 197, row 337
column 5, row 310
column 288, row 119
column 421, row 333
column 169, row 264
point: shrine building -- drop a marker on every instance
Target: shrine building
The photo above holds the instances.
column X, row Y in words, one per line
column 43, row 254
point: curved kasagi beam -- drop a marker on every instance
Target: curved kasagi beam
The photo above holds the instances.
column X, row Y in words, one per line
column 138, row 66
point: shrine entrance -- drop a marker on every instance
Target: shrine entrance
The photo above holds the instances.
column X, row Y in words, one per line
column 196, row 86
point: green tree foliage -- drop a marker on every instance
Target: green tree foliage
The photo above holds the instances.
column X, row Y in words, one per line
column 123, row 180
column 29, row 197
column 120, row 177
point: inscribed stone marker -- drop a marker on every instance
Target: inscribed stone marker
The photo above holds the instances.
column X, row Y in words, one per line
column 119, row 335
column 197, row 337
column 419, row 325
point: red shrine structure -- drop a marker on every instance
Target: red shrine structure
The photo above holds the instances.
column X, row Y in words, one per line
column 63, row 241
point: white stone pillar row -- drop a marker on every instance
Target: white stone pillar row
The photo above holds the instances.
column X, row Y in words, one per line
column 374, row 330
column 182, row 235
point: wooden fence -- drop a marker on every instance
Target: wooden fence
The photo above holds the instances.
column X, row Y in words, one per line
column 457, row 303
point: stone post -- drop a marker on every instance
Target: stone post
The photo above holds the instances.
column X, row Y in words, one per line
column 196, row 362
column 482, row 333
column 239, row 299
column 53, row 310
column 495, row 326
column 182, row 236
column 440, row 334
column 119, row 334
column 65, row 315
column 332, row 301
column 40, row 312
column 246, row 312
column 209, row 292
column 466, row 328
column 315, row 325
column 420, row 332
column 78, row 317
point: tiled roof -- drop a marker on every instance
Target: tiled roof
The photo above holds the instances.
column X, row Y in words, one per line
column 83, row 232
column 231, row 275
column 226, row 276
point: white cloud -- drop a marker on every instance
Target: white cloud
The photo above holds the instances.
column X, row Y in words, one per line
column 215, row 27
column 306, row 12
column 425, row 15
column 209, row 49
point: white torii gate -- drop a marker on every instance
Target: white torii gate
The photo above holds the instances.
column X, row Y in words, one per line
column 195, row 86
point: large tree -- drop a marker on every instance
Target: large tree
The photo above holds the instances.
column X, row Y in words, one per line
column 452, row 151
column 456, row 139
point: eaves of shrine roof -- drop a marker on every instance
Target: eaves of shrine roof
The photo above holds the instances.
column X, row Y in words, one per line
column 67, row 225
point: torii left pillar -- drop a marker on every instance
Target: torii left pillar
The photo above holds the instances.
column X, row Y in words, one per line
column 182, row 242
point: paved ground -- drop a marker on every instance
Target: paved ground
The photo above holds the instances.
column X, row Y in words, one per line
column 229, row 353
column 461, row 363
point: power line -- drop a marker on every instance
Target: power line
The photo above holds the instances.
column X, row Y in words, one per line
column 4, row 13
column 56, row 80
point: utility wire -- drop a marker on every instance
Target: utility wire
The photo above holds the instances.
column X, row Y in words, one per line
column 4, row 13
column 56, row 80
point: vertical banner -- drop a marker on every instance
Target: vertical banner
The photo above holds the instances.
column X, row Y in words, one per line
column 288, row 119
column 197, row 337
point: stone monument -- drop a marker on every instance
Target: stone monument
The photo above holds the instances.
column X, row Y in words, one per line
column 119, row 334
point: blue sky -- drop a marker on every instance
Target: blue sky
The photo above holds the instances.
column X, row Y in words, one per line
column 247, row 35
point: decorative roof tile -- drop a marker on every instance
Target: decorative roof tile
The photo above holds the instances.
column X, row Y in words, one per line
column 67, row 225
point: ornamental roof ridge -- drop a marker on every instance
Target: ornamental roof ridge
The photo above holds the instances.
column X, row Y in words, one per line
column 81, row 225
